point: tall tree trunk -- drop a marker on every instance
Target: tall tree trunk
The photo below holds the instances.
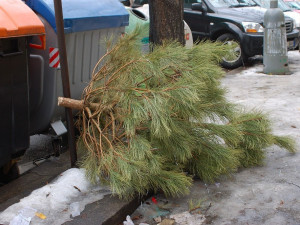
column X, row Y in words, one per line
column 166, row 21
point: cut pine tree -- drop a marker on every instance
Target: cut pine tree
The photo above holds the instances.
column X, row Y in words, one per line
column 152, row 121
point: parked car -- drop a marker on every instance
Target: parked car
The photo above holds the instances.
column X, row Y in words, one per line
column 287, row 10
column 294, row 5
column 232, row 21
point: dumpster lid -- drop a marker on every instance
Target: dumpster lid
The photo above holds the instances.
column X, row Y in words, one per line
column 17, row 19
column 84, row 15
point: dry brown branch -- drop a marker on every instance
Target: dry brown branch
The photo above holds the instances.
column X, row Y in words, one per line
column 144, row 80
column 75, row 104
column 70, row 103
column 106, row 54
column 112, row 78
column 113, row 126
column 101, row 133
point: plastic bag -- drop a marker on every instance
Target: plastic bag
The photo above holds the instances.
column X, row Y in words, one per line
column 24, row 216
column 128, row 221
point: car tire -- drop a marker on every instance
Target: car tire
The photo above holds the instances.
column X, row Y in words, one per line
column 237, row 58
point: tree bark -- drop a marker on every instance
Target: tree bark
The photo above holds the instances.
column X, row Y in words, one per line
column 74, row 104
column 166, row 21
column 70, row 103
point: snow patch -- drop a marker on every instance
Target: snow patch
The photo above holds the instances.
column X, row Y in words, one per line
column 54, row 199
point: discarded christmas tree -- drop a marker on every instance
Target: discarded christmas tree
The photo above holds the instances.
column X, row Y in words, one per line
column 152, row 121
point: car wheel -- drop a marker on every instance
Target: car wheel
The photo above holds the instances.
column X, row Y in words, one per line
column 235, row 58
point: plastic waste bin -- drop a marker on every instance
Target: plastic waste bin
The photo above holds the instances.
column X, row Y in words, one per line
column 15, row 34
column 140, row 17
column 87, row 24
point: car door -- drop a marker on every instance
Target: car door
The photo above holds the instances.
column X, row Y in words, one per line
column 197, row 20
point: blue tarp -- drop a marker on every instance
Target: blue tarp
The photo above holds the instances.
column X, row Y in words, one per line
column 82, row 15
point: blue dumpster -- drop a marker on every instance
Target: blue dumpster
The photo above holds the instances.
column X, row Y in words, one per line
column 87, row 24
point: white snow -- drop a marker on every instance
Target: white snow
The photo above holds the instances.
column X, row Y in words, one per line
column 54, row 199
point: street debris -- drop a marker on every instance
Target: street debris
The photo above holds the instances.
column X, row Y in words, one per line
column 23, row 217
column 194, row 205
column 128, row 221
column 157, row 219
column 77, row 188
column 187, row 218
column 41, row 215
column 152, row 211
column 167, row 222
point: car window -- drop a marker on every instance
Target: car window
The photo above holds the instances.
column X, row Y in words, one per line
column 188, row 3
column 294, row 5
column 281, row 4
column 263, row 4
column 247, row 2
column 223, row 3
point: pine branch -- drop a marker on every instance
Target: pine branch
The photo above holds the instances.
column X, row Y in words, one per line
column 147, row 119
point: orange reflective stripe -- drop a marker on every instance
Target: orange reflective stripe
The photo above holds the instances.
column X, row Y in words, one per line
column 43, row 43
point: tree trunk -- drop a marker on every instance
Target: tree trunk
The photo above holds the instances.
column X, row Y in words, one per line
column 74, row 104
column 166, row 21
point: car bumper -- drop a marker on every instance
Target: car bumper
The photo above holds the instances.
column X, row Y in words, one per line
column 252, row 44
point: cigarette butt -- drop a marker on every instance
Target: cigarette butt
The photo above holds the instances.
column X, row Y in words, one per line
column 40, row 215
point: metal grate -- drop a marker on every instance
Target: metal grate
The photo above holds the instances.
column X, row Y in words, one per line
column 289, row 26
